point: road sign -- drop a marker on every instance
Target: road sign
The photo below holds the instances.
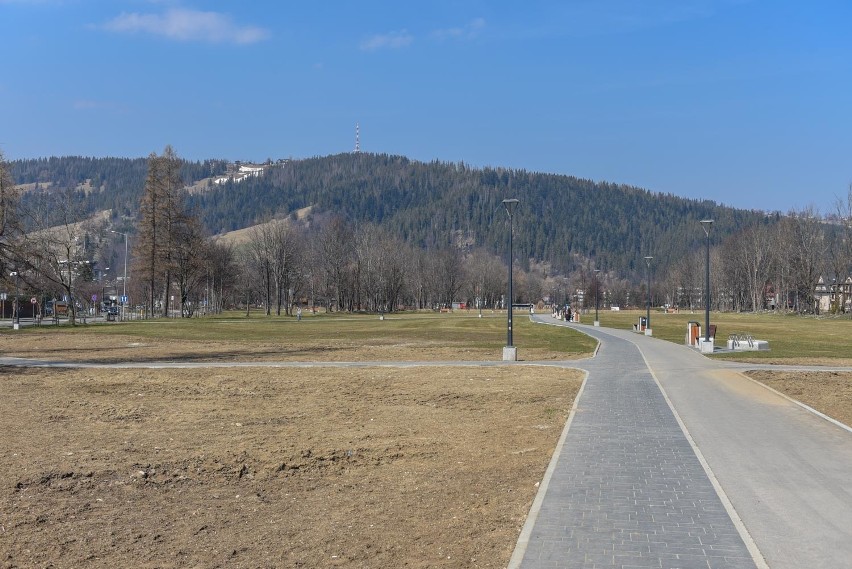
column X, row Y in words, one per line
column 94, row 298
column 33, row 300
column 2, row 296
column 123, row 299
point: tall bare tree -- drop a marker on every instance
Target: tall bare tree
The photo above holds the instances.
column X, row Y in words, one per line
column 334, row 245
column 803, row 241
column 285, row 241
column 448, row 271
column 221, row 274
column 382, row 261
column 161, row 211
column 260, row 250
column 190, row 253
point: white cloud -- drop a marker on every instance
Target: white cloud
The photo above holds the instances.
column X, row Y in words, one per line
column 188, row 25
column 392, row 40
column 467, row 31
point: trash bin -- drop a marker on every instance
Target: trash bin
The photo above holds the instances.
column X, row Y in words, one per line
column 643, row 323
column 693, row 333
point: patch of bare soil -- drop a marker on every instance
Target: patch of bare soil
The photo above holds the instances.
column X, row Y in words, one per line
column 826, row 391
column 261, row 467
column 101, row 348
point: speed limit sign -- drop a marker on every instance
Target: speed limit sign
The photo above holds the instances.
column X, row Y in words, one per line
column 33, row 300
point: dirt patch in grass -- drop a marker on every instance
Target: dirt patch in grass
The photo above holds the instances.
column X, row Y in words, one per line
column 317, row 467
column 102, row 348
column 826, row 391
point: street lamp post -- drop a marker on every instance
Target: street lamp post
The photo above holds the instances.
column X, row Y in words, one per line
column 16, row 304
column 832, row 295
column 123, row 282
column 648, row 331
column 597, row 287
column 510, row 352
column 707, row 224
column 104, row 280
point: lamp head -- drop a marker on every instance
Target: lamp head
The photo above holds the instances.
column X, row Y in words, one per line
column 706, row 224
column 648, row 260
column 510, row 205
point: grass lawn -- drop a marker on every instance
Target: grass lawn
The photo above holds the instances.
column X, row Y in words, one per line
column 461, row 335
column 792, row 339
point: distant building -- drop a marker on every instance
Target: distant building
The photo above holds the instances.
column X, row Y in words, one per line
column 834, row 294
column 237, row 172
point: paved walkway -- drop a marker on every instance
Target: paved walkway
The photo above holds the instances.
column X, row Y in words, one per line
column 673, row 460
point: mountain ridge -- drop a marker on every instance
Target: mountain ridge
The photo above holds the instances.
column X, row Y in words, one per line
column 563, row 220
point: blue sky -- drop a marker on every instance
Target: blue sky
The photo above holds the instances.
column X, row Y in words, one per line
column 748, row 103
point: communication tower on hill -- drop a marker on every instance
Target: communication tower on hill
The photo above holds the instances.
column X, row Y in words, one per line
column 357, row 138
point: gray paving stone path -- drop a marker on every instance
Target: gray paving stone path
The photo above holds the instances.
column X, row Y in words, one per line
column 628, row 490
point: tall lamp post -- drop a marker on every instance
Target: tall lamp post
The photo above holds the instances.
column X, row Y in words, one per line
column 707, row 224
column 648, row 331
column 597, row 287
column 510, row 352
column 16, row 304
column 124, row 281
column 832, row 295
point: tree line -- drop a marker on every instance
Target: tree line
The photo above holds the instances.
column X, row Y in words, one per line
column 350, row 233
column 780, row 264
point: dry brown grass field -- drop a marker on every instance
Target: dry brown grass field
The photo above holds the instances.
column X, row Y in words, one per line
column 380, row 466
column 389, row 465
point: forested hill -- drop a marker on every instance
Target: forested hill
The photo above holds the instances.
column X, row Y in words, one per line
column 102, row 183
column 561, row 219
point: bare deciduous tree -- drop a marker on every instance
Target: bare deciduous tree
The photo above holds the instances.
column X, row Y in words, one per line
column 57, row 249
column 334, row 254
column 803, row 241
